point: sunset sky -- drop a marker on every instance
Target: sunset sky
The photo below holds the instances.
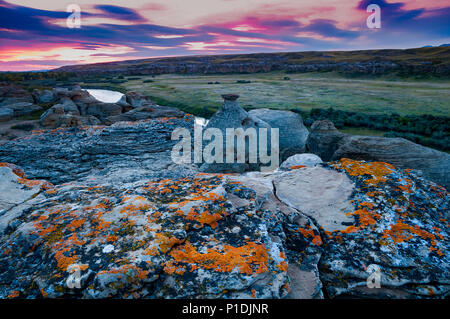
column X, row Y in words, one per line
column 34, row 34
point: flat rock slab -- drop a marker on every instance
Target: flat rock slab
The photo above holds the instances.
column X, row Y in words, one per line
column 12, row 191
column 319, row 193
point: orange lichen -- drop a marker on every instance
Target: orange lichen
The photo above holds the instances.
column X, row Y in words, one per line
column 44, row 185
column 13, row 294
column 400, row 232
column 377, row 170
column 309, row 233
column 16, row 169
column 166, row 242
column 250, row 258
column 298, row 166
column 365, row 216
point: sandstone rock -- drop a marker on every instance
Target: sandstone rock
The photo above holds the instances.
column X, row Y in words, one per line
column 69, row 106
column 137, row 100
column 52, row 117
column 330, row 144
column 144, row 113
column 6, row 114
column 23, row 108
column 124, row 104
column 237, row 236
column 232, row 116
column 293, row 134
column 15, row 189
column 298, row 160
column 71, row 154
column 45, row 96
column 319, row 193
column 324, row 139
column 397, row 230
column 13, row 94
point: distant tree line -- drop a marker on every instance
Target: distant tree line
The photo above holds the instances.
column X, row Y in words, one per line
column 429, row 130
column 32, row 76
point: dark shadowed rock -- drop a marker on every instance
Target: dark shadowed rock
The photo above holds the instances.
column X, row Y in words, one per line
column 137, row 100
column 330, row 144
column 6, row 114
column 324, row 139
column 293, row 134
column 57, row 116
column 13, row 94
column 70, row 154
column 44, row 96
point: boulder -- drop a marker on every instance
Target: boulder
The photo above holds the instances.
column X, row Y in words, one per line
column 319, row 193
column 301, row 160
column 124, row 104
column 6, row 114
column 330, row 144
column 52, row 117
column 137, row 100
column 56, row 117
column 324, row 139
column 232, row 116
column 44, row 96
column 23, row 108
column 293, row 134
column 144, row 113
column 13, row 94
column 88, row 105
column 69, row 106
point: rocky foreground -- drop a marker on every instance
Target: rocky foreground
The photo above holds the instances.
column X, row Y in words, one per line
column 115, row 217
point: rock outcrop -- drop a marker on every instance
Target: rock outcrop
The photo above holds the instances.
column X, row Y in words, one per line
column 292, row 133
column 145, row 113
column 327, row 142
column 104, row 212
column 200, row 235
column 6, row 114
column 70, row 154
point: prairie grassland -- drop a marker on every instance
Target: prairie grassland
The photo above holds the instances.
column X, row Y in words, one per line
column 303, row 91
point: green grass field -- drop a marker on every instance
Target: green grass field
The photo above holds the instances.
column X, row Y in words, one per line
column 303, row 91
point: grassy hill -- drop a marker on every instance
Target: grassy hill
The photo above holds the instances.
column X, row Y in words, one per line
column 435, row 60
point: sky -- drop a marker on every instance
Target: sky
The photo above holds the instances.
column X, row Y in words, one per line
column 34, row 34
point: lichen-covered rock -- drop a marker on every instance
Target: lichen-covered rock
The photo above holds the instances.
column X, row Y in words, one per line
column 327, row 142
column 228, row 236
column 159, row 238
column 400, row 224
column 123, row 221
